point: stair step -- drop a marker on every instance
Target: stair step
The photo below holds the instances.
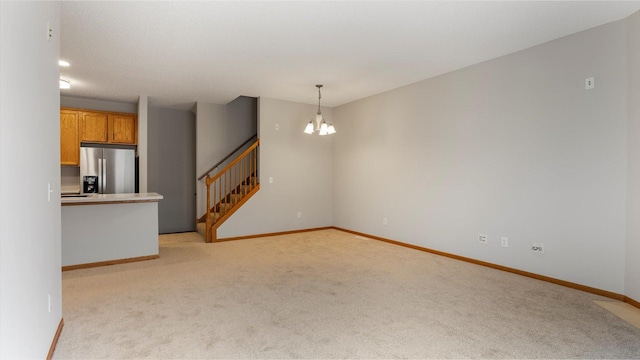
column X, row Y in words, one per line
column 233, row 198
column 201, row 227
column 245, row 189
column 251, row 181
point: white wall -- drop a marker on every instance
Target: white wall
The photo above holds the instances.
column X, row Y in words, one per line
column 29, row 223
column 511, row 147
column 632, row 280
column 301, row 168
column 219, row 130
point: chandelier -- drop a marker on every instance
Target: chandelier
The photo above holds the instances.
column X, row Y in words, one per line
column 318, row 123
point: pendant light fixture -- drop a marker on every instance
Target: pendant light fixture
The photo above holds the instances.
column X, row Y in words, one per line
column 318, row 123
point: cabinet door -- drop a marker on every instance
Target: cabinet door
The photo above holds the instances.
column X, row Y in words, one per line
column 94, row 127
column 123, row 128
column 69, row 137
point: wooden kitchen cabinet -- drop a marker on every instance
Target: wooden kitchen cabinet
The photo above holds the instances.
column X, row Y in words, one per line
column 79, row 125
column 94, row 127
column 69, row 138
column 123, row 128
column 106, row 127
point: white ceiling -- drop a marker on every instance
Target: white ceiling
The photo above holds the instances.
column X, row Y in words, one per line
column 180, row 52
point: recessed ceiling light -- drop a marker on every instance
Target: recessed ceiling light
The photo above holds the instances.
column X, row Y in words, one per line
column 63, row 63
column 65, row 84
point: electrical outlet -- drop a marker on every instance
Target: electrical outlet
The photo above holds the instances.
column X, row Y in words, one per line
column 384, row 221
column 482, row 238
column 270, row 179
column 589, row 83
column 299, row 215
column 538, row 248
column 277, row 126
column 504, row 241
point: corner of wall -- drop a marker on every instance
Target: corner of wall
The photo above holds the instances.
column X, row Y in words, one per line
column 143, row 114
column 632, row 251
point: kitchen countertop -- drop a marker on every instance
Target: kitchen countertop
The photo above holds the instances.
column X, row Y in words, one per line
column 97, row 199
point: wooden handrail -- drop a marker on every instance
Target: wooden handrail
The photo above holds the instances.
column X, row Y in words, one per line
column 226, row 157
column 210, row 180
column 232, row 186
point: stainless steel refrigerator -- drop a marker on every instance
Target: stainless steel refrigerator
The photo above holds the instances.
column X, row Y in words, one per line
column 107, row 170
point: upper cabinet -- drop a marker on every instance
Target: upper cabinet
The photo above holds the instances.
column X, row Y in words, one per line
column 69, row 138
column 105, row 127
column 94, row 127
column 123, row 128
column 77, row 125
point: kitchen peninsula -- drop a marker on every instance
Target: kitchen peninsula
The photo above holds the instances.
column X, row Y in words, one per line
column 105, row 229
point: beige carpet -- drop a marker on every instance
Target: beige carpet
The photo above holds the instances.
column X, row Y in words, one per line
column 326, row 294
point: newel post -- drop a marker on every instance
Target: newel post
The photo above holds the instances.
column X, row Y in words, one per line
column 208, row 219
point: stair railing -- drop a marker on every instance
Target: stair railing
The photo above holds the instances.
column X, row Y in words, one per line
column 206, row 173
column 230, row 188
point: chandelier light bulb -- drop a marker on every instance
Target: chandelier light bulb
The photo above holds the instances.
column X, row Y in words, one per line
column 324, row 129
column 318, row 123
column 309, row 129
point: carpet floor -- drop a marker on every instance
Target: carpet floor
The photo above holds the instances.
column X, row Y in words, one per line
column 326, row 294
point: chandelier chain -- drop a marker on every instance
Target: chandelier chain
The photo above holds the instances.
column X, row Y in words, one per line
column 319, row 97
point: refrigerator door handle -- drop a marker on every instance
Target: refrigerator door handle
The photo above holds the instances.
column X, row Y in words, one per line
column 104, row 176
column 99, row 176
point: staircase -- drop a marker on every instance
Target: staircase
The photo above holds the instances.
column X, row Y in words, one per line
column 228, row 190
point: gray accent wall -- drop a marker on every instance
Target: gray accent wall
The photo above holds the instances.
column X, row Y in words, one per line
column 632, row 280
column 513, row 147
column 171, row 167
column 96, row 104
column 30, row 263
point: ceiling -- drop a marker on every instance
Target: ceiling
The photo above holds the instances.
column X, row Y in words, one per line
column 180, row 52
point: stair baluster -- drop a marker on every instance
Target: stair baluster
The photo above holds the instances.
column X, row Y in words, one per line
column 232, row 187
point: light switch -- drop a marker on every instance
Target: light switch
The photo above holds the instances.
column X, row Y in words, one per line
column 277, row 126
column 270, row 179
